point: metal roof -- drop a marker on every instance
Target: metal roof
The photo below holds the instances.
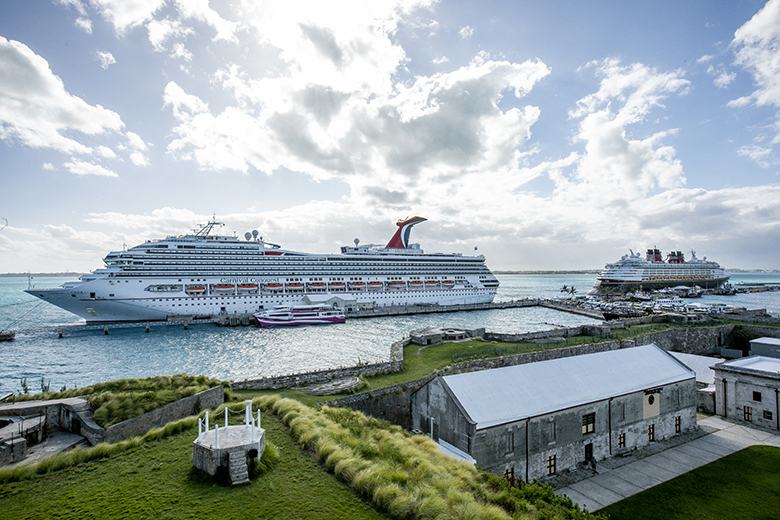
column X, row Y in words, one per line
column 507, row 394
column 761, row 363
column 699, row 364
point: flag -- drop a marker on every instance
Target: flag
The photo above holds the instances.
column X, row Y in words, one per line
column 475, row 248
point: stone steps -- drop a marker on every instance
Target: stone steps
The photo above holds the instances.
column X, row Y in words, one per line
column 237, row 468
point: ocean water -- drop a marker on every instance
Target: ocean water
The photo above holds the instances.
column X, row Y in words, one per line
column 85, row 355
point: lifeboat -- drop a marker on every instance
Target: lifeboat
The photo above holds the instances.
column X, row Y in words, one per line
column 357, row 285
column 222, row 288
column 375, row 285
column 416, row 283
column 295, row 286
column 431, row 283
column 397, row 283
column 195, row 289
column 274, row 286
column 448, row 283
column 247, row 288
column 336, row 286
column 317, row 285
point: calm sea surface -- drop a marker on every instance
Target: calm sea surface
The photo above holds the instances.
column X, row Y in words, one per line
column 84, row 356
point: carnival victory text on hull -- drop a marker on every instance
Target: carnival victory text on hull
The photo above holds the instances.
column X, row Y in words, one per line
column 203, row 275
column 634, row 273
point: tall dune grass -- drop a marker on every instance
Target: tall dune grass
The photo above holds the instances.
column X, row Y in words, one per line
column 407, row 476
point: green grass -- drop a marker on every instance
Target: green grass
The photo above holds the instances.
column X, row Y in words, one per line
column 122, row 399
column 744, row 485
column 155, row 479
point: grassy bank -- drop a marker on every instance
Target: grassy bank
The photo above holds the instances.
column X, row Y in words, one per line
column 156, row 479
column 744, row 485
column 116, row 401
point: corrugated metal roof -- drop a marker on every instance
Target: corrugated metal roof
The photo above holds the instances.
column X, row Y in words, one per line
column 699, row 364
column 500, row 395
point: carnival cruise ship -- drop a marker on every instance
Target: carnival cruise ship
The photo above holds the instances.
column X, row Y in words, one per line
column 633, row 273
column 204, row 274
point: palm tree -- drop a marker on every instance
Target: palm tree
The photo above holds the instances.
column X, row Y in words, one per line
column 573, row 290
column 565, row 289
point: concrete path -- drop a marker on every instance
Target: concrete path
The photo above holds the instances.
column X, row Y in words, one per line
column 612, row 485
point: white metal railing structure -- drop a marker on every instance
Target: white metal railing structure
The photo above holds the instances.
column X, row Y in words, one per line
column 251, row 421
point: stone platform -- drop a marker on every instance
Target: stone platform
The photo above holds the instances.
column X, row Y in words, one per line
column 230, row 447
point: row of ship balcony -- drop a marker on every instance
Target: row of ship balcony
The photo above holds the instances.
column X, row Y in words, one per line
column 299, row 287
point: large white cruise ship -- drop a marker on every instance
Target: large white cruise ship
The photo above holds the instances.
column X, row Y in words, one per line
column 634, row 273
column 203, row 275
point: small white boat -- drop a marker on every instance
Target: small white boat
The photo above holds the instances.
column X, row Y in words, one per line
column 300, row 315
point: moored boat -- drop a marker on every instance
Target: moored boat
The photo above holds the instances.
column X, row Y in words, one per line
column 283, row 315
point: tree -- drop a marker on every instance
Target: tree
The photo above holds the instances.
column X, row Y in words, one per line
column 573, row 290
column 565, row 289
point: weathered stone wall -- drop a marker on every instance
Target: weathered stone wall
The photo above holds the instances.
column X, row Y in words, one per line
column 396, row 364
column 391, row 403
column 180, row 409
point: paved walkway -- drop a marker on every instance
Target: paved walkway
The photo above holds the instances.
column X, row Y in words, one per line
column 612, row 485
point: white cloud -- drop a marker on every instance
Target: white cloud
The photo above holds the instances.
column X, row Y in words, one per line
column 127, row 13
column 758, row 47
column 85, row 24
column 705, row 58
column 439, row 61
column 48, row 166
column 465, row 32
column 200, row 10
column 724, row 79
column 105, row 58
column 76, row 4
column 760, row 155
column 162, row 30
column 36, row 109
column 106, row 152
column 82, row 169
column 179, row 51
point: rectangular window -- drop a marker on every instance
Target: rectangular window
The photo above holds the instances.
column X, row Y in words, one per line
column 510, row 442
column 767, row 415
column 551, row 465
column 622, row 440
column 552, row 430
column 757, row 396
column 588, row 423
column 651, row 432
column 677, row 424
column 748, row 411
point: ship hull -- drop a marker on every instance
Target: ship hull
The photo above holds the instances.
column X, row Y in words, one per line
column 605, row 287
column 127, row 305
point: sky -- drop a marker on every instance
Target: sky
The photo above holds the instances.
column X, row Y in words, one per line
column 543, row 135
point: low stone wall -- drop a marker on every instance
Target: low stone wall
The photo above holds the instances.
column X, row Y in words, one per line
column 396, row 364
column 390, row 403
column 530, row 336
column 180, row 409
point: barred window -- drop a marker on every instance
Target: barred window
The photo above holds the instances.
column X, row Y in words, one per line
column 551, row 465
column 677, row 426
column 767, row 415
column 622, row 440
column 588, row 423
column 748, row 411
column 651, row 432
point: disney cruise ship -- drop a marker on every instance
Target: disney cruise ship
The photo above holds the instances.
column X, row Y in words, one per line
column 202, row 275
column 634, row 273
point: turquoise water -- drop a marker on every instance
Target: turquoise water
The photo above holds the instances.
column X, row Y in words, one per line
column 84, row 356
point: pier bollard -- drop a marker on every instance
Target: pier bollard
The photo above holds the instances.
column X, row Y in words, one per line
column 105, row 330
column 185, row 326
column 147, row 326
column 60, row 333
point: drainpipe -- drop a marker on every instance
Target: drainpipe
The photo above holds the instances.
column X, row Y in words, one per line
column 777, row 408
column 610, row 425
column 527, row 421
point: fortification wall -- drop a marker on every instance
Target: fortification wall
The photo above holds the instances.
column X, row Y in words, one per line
column 396, row 364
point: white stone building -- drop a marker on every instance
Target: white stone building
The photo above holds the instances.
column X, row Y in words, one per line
column 747, row 390
column 539, row 419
